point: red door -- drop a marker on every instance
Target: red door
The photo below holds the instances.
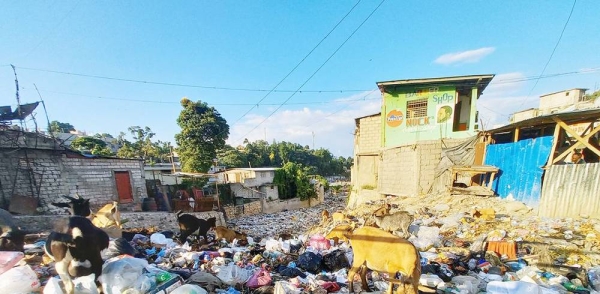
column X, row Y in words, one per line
column 123, row 186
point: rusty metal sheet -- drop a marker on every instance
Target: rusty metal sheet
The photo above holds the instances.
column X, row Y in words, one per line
column 571, row 190
column 23, row 205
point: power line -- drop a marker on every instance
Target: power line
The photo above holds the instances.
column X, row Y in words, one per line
column 318, row 69
column 52, row 31
column 503, row 81
column 182, row 85
column 553, row 51
column 298, row 64
column 176, row 102
column 364, row 98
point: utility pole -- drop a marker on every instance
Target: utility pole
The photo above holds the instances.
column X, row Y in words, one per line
column 215, row 160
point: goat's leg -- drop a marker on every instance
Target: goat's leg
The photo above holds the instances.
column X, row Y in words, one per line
column 62, row 268
column 363, row 279
column 351, row 274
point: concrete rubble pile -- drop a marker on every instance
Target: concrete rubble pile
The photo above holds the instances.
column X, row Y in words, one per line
column 467, row 245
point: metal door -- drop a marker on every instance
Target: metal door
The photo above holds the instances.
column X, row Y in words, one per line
column 123, row 181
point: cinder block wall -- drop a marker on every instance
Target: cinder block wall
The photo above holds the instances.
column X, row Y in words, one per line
column 57, row 175
column 410, row 170
column 369, row 135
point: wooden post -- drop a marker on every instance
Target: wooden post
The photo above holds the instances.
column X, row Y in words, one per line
column 579, row 139
column 554, row 144
column 516, row 138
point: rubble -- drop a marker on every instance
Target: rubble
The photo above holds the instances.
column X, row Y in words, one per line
column 467, row 244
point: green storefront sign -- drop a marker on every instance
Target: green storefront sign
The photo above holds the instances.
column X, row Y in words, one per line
column 412, row 114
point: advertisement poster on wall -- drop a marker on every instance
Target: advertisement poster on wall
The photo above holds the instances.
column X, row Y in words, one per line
column 413, row 113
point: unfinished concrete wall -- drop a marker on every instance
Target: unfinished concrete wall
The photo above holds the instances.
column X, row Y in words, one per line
column 251, row 208
column 54, row 174
column 399, row 171
column 368, row 135
column 291, row 204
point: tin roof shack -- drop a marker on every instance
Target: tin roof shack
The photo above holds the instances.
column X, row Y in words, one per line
column 397, row 151
column 535, row 163
column 36, row 170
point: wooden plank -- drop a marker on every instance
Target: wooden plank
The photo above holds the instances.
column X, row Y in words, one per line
column 579, row 139
column 554, row 144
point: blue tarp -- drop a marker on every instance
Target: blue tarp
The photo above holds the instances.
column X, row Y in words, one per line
column 520, row 165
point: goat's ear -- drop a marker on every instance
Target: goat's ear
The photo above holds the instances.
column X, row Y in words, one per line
column 64, row 205
column 70, row 198
column 113, row 209
column 86, row 201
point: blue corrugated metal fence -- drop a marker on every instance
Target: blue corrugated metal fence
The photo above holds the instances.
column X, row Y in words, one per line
column 520, row 165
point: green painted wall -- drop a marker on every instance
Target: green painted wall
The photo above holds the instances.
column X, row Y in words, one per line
column 438, row 123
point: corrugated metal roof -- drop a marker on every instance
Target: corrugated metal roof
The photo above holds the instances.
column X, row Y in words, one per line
column 567, row 117
column 571, row 190
column 474, row 80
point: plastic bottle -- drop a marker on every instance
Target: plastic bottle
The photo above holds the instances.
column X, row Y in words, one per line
column 163, row 277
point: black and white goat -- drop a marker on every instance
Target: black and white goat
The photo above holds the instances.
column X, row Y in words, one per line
column 76, row 206
column 76, row 247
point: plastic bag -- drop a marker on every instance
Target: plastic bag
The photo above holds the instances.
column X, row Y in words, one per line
column 273, row 245
column 189, row 289
column 283, row 287
column 310, row 262
column 82, row 285
column 118, row 247
column 232, row 274
column 336, row 260
column 259, row 279
column 121, row 274
column 319, row 242
column 8, row 259
column 17, row 280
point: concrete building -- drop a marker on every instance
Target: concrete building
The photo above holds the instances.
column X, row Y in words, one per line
column 35, row 170
column 255, row 183
column 396, row 151
column 523, row 115
column 557, row 101
column 163, row 172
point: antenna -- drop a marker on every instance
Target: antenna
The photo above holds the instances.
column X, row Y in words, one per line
column 45, row 111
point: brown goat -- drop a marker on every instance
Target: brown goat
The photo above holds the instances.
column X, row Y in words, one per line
column 228, row 234
column 381, row 251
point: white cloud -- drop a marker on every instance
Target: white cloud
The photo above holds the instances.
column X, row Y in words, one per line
column 332, row 124
column 468, row 56
column 503, row 97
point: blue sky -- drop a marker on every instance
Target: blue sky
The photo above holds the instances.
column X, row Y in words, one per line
column 255, row 44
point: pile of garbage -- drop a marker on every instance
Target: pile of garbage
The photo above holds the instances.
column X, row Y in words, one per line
column 467, row 245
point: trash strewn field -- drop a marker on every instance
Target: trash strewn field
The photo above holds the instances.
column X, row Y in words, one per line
column 466, row 244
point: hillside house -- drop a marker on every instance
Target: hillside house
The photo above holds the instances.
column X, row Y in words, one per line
column 251, row 183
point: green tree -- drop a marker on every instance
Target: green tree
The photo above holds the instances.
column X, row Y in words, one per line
column 60, row 127
column 203, row 132
column 94, row 145
column 232, row 157
column 292, row 181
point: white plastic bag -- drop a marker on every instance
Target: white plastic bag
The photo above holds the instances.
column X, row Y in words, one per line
column 232, row 274
column 8, row 259
column 17, row 280
column 189, row 289
column 283, row 287
column 121, row 274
